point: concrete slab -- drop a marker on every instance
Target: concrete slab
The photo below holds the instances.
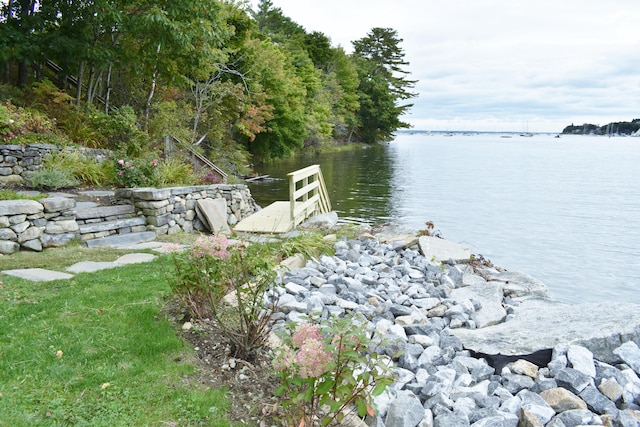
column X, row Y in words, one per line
column 443, row 250
column 134, row 259
column 89, row 266
column 38, row 274
column 213, row 213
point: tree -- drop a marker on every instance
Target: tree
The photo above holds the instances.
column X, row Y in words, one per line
column 383, row 84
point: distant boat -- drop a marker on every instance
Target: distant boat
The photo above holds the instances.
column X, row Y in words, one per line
column 526, row 132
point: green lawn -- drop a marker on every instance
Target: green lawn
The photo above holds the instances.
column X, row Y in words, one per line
column 97, row 350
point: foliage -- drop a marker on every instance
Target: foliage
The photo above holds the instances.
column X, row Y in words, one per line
column 326, row 369
column 139, row 172
column 85, row 169
column 22, row 126
column 123, row 75
column 10, row 195
column 210, row 271
column 209, row 178
column 175, row 171
column 309, row 244
column 614, row 128
column 45, row 179
column 97, row 349
column 382, row 84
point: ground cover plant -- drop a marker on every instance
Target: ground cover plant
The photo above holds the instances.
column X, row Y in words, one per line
column 98, row 350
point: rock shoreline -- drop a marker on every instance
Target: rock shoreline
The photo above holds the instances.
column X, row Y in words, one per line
column 477, row 346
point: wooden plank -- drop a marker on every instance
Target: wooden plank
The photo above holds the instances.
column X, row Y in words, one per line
column 306, row 189
column 274, row 218
column 303, row 173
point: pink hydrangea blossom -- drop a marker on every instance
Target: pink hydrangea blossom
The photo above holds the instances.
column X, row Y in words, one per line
column 313, row 359
column 304, row 332
column 285, row 359
column 212, row 246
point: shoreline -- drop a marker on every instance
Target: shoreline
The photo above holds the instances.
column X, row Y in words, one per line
column 469, row 354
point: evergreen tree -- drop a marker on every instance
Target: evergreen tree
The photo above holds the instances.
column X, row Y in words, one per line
column 383, row 84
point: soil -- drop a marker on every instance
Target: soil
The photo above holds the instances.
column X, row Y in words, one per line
column 250, row 385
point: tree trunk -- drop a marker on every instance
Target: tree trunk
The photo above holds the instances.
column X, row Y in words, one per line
column 92, row 81
column 107, row 90
column 79, row 83
column 147, row 108
column 23, row 73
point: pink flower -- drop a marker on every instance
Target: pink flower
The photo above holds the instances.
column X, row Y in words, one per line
column 121, row 173
column 154, row 162
column 285, row 359
column 212, row 246
column 121, row 162
column 313, row 359
column 304, row 332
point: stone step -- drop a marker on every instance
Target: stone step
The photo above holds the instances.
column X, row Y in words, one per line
column 104, row 211
column 112, row 225
column 117, row 240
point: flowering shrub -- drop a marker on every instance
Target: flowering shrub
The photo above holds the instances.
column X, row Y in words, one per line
column 136, row 173
column 326, row 369
column 209, row 178
column 209, row 271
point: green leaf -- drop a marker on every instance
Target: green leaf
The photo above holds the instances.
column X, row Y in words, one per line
column 361, row 405
column 325, row 386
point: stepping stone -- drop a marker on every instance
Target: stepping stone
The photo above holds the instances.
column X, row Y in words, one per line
column 443, row 250
column 89, row 266
column 119, row 240
column 38, row 274
column 134, row 259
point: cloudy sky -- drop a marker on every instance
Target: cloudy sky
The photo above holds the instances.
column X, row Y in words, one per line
column 501, row 65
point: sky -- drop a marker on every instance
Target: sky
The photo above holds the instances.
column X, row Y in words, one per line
column 500, row 65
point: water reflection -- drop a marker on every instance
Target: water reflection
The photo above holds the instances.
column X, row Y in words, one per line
column 358, row 182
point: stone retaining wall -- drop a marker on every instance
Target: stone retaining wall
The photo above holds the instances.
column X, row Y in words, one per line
column 15, row 160
column 53, row 222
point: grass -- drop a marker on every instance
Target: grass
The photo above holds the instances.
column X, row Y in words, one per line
column 11, row 195
column 96, row 350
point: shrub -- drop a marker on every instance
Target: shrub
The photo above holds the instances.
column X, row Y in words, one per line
column 209, row 178
column 175, row 171
column 228, row 284
column 24, row 126
column 327, row 369
column 50, row 179
column 138, row 172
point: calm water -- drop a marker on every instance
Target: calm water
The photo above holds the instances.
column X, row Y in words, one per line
column 566, row 211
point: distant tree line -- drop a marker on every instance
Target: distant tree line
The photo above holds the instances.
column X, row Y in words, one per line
column 210, row 70
column 614, row 128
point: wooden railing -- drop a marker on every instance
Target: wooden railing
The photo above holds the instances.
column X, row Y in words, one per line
column 307, row 194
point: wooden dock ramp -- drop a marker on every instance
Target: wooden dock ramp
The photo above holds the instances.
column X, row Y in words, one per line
column 307, row 197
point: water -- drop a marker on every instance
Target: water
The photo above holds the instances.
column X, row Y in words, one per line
column 566, row 211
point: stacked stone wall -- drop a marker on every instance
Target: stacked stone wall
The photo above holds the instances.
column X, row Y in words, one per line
column 16, row 160
column 56, row 221
column 170, row 210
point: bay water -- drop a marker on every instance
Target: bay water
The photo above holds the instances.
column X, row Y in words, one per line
column 564, row 210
